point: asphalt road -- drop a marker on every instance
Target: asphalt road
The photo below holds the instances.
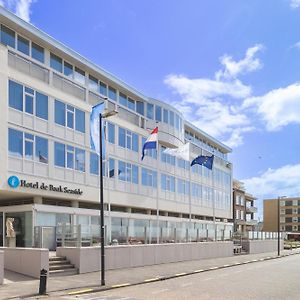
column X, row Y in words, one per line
column 272, row 279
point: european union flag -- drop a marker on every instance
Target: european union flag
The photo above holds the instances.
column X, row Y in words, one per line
column 203, row 160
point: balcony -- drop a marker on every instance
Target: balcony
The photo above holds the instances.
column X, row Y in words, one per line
column 251, row 222
column 251, row 209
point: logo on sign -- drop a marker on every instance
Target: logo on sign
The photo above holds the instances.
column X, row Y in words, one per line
column 13, row 181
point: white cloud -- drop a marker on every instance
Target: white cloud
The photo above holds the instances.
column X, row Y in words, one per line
column 20, row 7
column 204, row 101
column 278, row 107
column 275, row 182
column 295, row 3
column 296, row 45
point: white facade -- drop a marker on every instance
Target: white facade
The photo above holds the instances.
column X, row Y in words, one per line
column 70, row 85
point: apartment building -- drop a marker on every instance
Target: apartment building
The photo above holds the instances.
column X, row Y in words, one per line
column 49, row 176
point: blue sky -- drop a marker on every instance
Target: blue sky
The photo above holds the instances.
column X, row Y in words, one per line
column 232, row 67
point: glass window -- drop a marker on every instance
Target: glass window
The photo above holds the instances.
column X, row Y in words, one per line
column 122, row 137
column 166, row 116
column 93, row 83
column 37, row 52
column 41, row 105
column 135, row 142
column 41, row 149
column 59, row 154
column 70, row 116
column 29, row 139
column 29, row 104
column 15, row 142
column 122, row 171
column 94, row 163
column 131, row 104
column 80, row 160
column 103, row 88
column 29, row 90
column 7, row 36
column 68, row 69
column 177, row 121
column 55, row 62
column 158, row 113
column 112, row 93
column 70, row 157
column 140, row 107
column 135, row 174
column 60, row 113
column 171, row 118
column 15, row 95
column 111, row 133
column 79, row 120
column 123, row 99
column 79, row 75
column 150, row 108
column 111, row 168
column 23, row 45
column 128, row 139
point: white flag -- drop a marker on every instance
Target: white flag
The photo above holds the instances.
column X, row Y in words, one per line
column 94, row 129
column 182, row 152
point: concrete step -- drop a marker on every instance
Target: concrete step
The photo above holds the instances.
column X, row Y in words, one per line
column 57, row 258
column 59, row 262
column 66, row 272
column 61, row 267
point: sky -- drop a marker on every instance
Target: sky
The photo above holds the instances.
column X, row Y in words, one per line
column 232, row 67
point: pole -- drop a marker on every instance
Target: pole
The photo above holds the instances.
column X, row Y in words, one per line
column 190, row 204
column 278, row 227
column 214, row 195
column 101, row 204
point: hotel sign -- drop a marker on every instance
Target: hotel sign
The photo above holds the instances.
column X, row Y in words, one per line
column 14, row 182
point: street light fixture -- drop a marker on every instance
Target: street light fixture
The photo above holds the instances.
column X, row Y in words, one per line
column 278, row 221
column 103, row 115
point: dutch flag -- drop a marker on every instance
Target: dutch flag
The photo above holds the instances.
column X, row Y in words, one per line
column 151, row 142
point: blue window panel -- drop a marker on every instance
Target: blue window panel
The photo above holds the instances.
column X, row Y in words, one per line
column 103, row 89
column 154, row 178
column 29, row 90
column 122, row 170
column 128, row 172
column 15, row 95
column 140, row 107
column 128, row 139
column 70, row 119
column 7, row 36
column 111, row 172
column 41, row 149
column 60, row 113
column 163, row 182
column 131, row 104
column 41, row 105
column 79, row 160
column 150, row 111
column 29, row 149
column 177, row 121
column 79, row 76
column 135, row 174
column 23, row 45
column 15, row 142
column 144, row 177
column 37, row 52
column 158, row 113
column 56, row 62
column 112, row 93
column 122, row 137
column 68, row 70
column 172, row 184
column 93, row 83
column 123, row 99
column 79, row 120
column 29, row 104
column 165, row 116
column 70, row 160
column 171, row 118
column 111, row 133
column 135, row 142
column 59, row 154
column 94, row 163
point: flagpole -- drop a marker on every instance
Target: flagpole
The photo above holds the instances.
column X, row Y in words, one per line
column 214, row 194
column 157, row 195
column 190, row 203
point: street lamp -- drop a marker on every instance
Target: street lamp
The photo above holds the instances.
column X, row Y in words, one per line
column 278, row 221
column 103, row 115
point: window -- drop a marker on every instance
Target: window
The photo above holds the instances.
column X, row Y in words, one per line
column 167, row 158
column 70, row 157
column 167, row 183
column 23, row 45
column 70, row 116
column 111, row 166
column 177, row 121
column 79, row 76
column 79, row 120
column 158, row 113
column 59, row 154
column 41, row 149
column 94, row 163
column 135, row 174
column 140, row 107
column 103, row 88
column 7, row 36
column 111, row 133
column 56, row 62
column 166, row 116
column 93, row 83
column 122, row 137
column 131, row 103
column 41, row 105
column 150, row 112
column 15, row 95
column 15, row 142
column 37, row 52
column 128, row 172
column 112, row 93
column 68, row 70
column 123, row 99
column 149, row 178
column 79, row 160
column 29, row 104
column 182, row 187
column 60, row 114
column 28, row 143
column 171, row 118
column 122, row 170
column 128, row 139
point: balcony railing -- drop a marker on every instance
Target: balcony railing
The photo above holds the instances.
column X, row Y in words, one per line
column 251, row 209
column 251, row 222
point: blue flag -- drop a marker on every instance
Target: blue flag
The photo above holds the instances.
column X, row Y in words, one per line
column 203, row 160
column 95, row 129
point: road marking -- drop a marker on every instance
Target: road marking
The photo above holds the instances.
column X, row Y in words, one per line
column 180, row 274
column 120, row 285
column 80, row 291
column 198, row 271
column 237, row 263
column 151, row 279
column 226, row 266
column 254, row 259
column 213, row 268
column 160, row 291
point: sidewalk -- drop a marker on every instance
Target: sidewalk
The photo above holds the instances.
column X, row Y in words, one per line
column 18, row 286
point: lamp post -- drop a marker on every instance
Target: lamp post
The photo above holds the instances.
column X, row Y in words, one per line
column 103, row 115
column 278, row 221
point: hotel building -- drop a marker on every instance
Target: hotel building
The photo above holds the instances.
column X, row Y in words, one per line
column 49, row 176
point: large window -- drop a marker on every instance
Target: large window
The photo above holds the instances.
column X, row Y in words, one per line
column 28, row 100
column 110, row 133
column 27, row 145
column 150, row 111
column 158, row 113
column 183, row 186
column 140, row 107
column 112, row 93
column 56, row 62
column 103, row 88
column 165, row 116
column 7, row 36
column 128, row 139
column 23, row 45
column 149, row 178
column 167, row 158
column 94, row 163
column 167, row 183
column 67, row 115
column 128, row 172
column 37, row 52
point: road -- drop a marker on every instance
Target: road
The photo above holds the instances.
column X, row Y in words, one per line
column 272, row 279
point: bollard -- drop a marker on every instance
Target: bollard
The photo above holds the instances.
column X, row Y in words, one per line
column 43, row 282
